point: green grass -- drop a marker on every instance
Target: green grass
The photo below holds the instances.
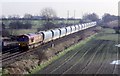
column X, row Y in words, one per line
column 0, row 72
column 21, row 31
column 35, row 24
column 39, row 23
column 38, row 68
column 107, row 34
column 112, row 37
column 108, row 30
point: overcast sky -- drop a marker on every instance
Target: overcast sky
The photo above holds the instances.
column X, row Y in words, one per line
column 20, row 7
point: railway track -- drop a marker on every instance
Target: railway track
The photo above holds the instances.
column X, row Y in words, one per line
column 13, row 54
column 89, row 59
column 69, row 58
column 104, row 61
column 8, row 50
column 9, row 57
column 84, row 60
column 116, row 58
column 97, row 61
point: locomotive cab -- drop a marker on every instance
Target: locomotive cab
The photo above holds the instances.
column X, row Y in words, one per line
column 28, row 41
column 23, row 41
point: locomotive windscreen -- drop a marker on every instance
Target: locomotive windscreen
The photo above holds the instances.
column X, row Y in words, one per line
column 23, row 38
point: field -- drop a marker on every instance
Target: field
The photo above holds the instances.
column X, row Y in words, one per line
column 20, row 31
column 108, row 34
column 35, row 25
column 95, row 57
column 38, row 23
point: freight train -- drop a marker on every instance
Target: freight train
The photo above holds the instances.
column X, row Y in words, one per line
column 32, row 40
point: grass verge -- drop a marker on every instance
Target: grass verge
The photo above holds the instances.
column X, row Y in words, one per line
column 0, row 72
column 108, row 34
column 42, row 65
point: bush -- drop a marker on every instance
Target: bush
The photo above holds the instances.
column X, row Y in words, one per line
column 5, row 33
column 49, row 25
column 25, row 24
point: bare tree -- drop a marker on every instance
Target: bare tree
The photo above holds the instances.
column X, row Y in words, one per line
column 14, row 16
column 27, row 16
column 10, row 17
column 3, row 17
column 108, row 17
column 114, row 25
column 90, row 17
column 48, row 13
